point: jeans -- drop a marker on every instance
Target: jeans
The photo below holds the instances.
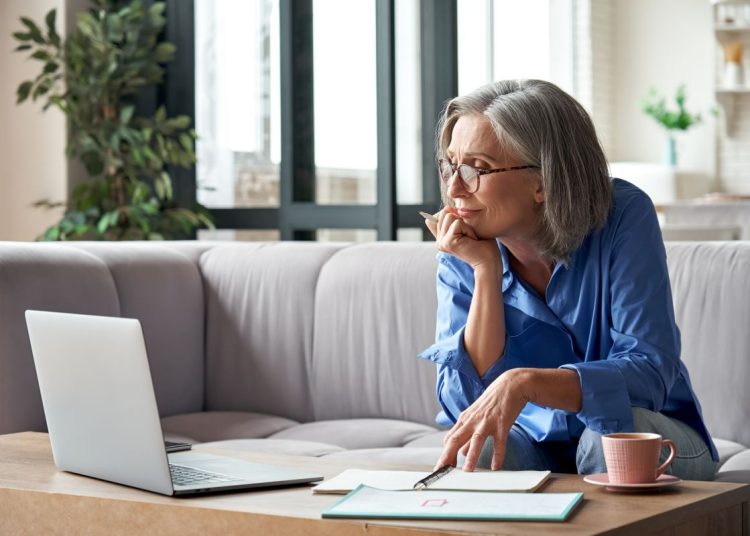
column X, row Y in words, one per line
column 586, row 456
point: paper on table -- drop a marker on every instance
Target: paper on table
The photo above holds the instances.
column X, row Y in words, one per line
column 455, row 480
column 365, row 502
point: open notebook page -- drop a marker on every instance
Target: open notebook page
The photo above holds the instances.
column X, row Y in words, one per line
column 455, row 480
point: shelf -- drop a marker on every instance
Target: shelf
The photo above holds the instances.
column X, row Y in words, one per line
column 730, row 98
column 732, row 27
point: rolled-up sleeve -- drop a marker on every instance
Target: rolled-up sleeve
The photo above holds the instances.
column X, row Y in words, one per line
column 458, row 383
column 643, row 362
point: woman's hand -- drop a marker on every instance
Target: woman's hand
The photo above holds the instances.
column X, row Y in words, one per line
column 491, row 415
column 458, row 238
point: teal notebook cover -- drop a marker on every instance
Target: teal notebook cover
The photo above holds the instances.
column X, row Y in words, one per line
column 372, row 503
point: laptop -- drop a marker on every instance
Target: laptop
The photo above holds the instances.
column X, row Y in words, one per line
column 102, row 416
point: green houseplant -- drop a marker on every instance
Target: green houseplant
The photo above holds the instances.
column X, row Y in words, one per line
column 654, row 105
column 92, row 76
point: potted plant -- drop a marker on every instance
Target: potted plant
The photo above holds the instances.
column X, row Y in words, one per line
column 654, row 105
column 93, row 76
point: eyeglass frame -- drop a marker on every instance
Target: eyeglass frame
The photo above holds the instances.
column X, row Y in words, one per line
column 479, row 172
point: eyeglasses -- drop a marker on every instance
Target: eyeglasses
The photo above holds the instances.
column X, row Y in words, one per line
column 470, row 175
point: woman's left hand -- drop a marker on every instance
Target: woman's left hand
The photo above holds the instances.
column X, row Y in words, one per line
column 491, row 415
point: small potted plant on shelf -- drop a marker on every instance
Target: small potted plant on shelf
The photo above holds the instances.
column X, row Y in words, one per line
column 654, row 105
column 92, row 76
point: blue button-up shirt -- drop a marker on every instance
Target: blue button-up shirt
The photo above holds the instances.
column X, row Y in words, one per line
column 608, row 315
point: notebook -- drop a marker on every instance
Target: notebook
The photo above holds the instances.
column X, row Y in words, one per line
column 457, row 480
column 102, row 417
column 372, row 503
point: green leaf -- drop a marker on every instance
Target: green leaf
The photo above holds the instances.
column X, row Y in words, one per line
column 49, row 67
column 41, row 55
column 31, row 25
column 180, row 122
column 52, row 34
column 109, row 219
column 49, row 19
column 159, row 187
column 22, row 93
column 21, row 36
column 41, row 88
column 164, row 52
column 93, row 161
column 34, row 31
column 126, row 114
column 52, row 233
column 160, row 115
column 157, row 8
column 21, row 48
column 186, row 141
column 114, row 141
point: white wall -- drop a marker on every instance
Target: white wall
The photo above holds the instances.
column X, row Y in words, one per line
column 663, row 43
column 32, row 144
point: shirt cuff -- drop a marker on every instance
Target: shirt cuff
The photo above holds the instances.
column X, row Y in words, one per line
column 605, row 403
column 451, row 352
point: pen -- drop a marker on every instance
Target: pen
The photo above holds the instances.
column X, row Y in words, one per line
column 428, row 216
column 432, row 477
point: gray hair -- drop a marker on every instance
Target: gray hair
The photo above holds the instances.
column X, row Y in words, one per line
column 545, row 127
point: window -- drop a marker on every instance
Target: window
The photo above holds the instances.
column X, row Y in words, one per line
column 503, row 39
column 237, row 112
column 311, row 126
column 346, row 137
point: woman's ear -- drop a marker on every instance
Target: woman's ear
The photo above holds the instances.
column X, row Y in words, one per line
column 539, row 192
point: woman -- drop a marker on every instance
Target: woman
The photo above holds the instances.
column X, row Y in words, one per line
column 555, row 322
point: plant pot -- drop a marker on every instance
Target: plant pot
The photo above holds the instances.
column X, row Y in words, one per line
column 670, row 152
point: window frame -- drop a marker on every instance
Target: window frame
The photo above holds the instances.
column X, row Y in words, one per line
column 298, row 215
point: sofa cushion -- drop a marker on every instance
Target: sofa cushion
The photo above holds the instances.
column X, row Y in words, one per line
column 276, row 446
column 374, row 312
column 219, row 425
column 727, row 449
column 710, row 286
column 435, row 439
column 357, row 433
column 163, row 289
column 738, row 462
column 424, row 456
column 48, row 277
column 259, row 326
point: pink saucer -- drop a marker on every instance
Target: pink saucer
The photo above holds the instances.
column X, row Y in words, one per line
column 601, row 479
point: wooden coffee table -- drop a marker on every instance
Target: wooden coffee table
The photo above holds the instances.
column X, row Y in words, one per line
column 36, row 498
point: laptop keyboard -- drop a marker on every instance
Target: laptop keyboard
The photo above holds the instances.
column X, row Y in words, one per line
column 187, row 476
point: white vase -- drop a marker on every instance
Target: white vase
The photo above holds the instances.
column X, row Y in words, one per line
column 733, row 74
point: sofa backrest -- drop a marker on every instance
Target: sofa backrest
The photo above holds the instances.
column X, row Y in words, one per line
column 319, row 331
column 157, row 283
column 374, row 312
column 711, row 293
column 260, row 307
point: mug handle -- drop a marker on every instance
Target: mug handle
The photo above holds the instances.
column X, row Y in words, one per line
column 672, row 452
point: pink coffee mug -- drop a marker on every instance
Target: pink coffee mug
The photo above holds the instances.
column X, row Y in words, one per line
column 632, row 458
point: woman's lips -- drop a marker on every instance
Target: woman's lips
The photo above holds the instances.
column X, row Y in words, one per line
column 466, row 213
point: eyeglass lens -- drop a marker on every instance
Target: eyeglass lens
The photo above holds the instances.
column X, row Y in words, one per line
column 467, row 173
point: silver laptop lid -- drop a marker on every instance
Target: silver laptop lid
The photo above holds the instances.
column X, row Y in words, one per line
column 98, row 398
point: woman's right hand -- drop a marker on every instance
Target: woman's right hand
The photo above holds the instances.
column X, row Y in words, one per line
column 455, row 236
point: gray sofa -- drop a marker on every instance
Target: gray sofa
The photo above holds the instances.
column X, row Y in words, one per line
column 310, row 348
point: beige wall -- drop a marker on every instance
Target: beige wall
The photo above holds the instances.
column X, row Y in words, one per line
column 662, row 43
column 32, row 143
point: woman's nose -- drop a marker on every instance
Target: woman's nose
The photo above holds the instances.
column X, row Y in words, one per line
column 456, row 186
